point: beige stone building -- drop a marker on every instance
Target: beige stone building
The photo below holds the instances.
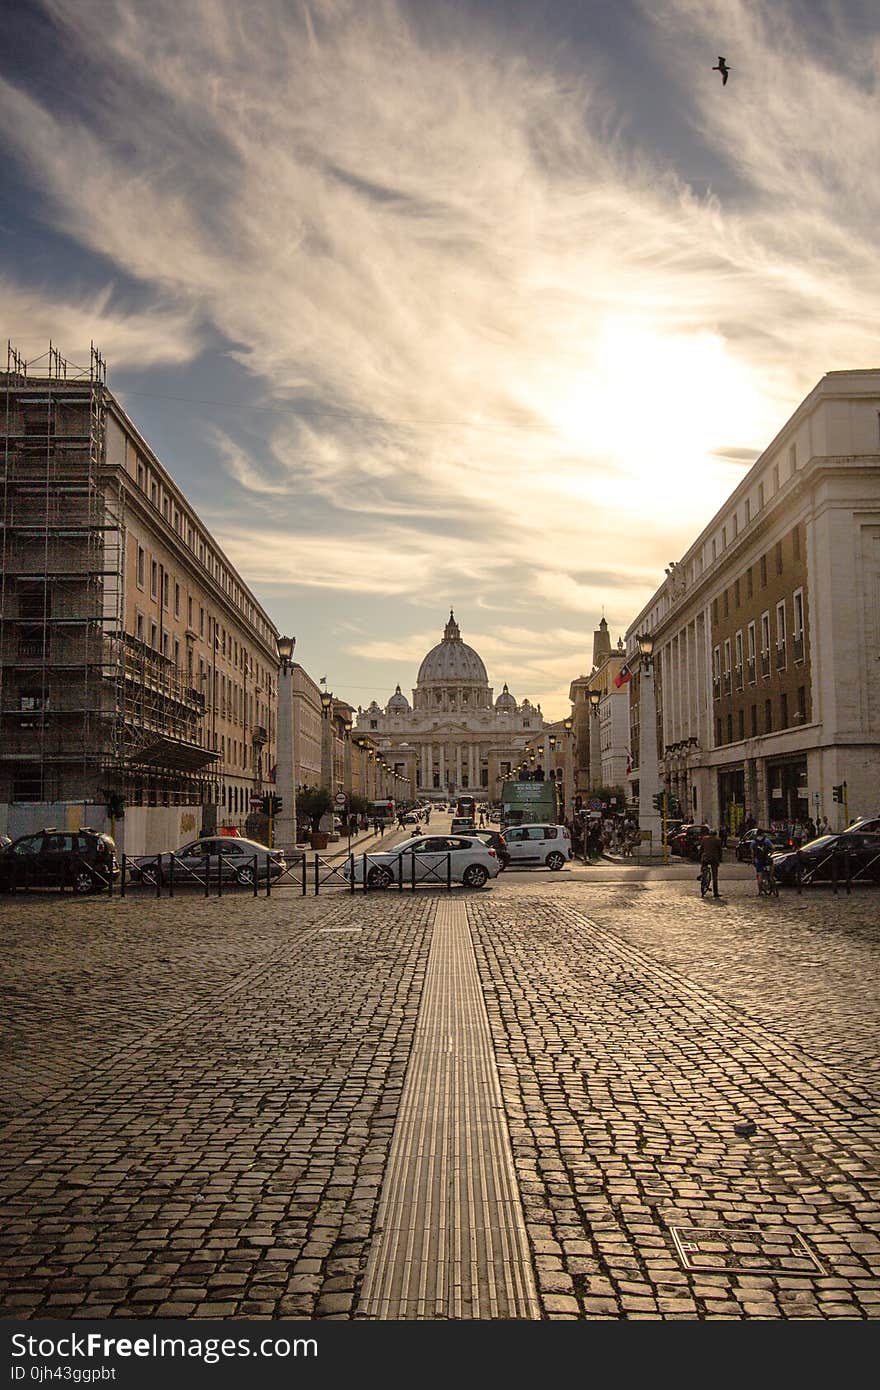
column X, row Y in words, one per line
column 767, row 631
column 134, row 660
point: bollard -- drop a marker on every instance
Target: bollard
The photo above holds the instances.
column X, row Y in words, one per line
column 268, row 880
column 400, row 873
column 257, row 873
column 317, row 881
column 351, row 873
column 305, row 884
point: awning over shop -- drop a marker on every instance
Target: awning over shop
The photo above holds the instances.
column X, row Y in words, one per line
column 175, row 753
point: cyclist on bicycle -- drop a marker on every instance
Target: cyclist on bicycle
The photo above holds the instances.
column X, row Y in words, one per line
column 762, row 848
column 710, row 855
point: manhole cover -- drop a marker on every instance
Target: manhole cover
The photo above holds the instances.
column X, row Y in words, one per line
column 740, row 1250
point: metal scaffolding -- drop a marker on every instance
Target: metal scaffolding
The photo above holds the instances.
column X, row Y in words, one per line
column 84, row 707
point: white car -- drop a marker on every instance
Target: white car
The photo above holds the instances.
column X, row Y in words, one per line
column 538, row 846
column 425, row 857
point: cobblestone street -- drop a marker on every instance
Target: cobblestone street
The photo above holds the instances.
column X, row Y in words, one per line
column 200, row 1099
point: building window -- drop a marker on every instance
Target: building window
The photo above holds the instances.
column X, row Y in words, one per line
column 714, row 610
column 749, row 583
column 783, row 710
column 165, row 590
column 716, row 673
column 714, row 548
column 763, row 571
column 154, row 494
column 730, row 728
column 718, row 733
column 765, row 644
column 154, row 579
column 177, row 600
column 751, row 652
column 741, row 720
column 726, row 604
column 736, row 594
column 768, row 716
column 176, row 652
column 754, row 721
column 797, row 636
column 154, row 636
column 802, row 703
column 141, row 476
column 141, row 567
column 201, row 622
column 760, row 496
column 165, row 644
column 776, row 477
column 735, row 525
column 738, row 668
column 723, row 537
column 780, row 636
column 779, row 557
column 727, row 666
column 189, row 611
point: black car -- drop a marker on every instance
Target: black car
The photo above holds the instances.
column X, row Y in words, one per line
column 823, row 859
column 82, row 860
column 781, row 842
column 495, row 840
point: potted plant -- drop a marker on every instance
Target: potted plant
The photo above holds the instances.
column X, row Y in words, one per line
column 314, row 803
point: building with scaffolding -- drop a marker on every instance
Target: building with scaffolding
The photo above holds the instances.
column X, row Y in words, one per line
column 137, row 670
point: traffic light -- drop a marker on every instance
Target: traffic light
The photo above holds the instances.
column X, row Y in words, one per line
column 115, row 804
column 837, row 792
column 659, row 799
column 272, row 804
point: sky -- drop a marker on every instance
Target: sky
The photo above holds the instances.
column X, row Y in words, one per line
column 470, row 304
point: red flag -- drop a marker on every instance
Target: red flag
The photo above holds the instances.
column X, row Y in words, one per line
column 624, row 674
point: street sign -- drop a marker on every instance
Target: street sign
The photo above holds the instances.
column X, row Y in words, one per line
column 340, row 798
column 595, row 804
column 256, row 801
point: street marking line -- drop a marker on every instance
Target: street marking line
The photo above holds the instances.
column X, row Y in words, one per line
column 452, row 1240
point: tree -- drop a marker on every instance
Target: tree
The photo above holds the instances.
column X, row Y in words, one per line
column 314, row 802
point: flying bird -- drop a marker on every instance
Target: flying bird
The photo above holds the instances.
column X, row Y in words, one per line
column 721, row 66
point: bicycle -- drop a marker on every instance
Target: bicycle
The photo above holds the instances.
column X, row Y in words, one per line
column 705, row 879
column 767, row 885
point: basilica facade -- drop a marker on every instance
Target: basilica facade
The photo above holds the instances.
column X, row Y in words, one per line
column 454, row 736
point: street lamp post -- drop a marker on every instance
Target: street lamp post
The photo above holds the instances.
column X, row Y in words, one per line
column 567, row 769
column 326, row 821
column 595, row 697
column 650, row 818
column 285, row 774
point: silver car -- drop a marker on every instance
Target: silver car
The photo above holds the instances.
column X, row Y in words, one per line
column 240, row 860
column 424, row 858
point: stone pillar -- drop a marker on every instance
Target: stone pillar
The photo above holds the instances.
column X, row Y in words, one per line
column 649, row 771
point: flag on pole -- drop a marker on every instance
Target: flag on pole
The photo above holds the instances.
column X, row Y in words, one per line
column 624, row 674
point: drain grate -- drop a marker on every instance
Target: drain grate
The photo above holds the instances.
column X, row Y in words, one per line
column 741, row 1250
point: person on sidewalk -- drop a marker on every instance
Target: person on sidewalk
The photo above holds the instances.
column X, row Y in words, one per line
column 711, row 850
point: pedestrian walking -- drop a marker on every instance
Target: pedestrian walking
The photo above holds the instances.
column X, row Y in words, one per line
column 723, row 832
column 711, row 850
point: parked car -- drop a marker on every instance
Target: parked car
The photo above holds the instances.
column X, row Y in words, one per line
column 236, row 854
column 461, row 825
column 411, row 818
column 866, row 825
column 83, row 860
column 744, row 846
column 672, row 829
column 686, row 844
column 816, row 859
column 495, row 840
column 472, row 862
column 538, row 846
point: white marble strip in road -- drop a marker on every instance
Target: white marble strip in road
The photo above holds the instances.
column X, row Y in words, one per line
column 451, row 1241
